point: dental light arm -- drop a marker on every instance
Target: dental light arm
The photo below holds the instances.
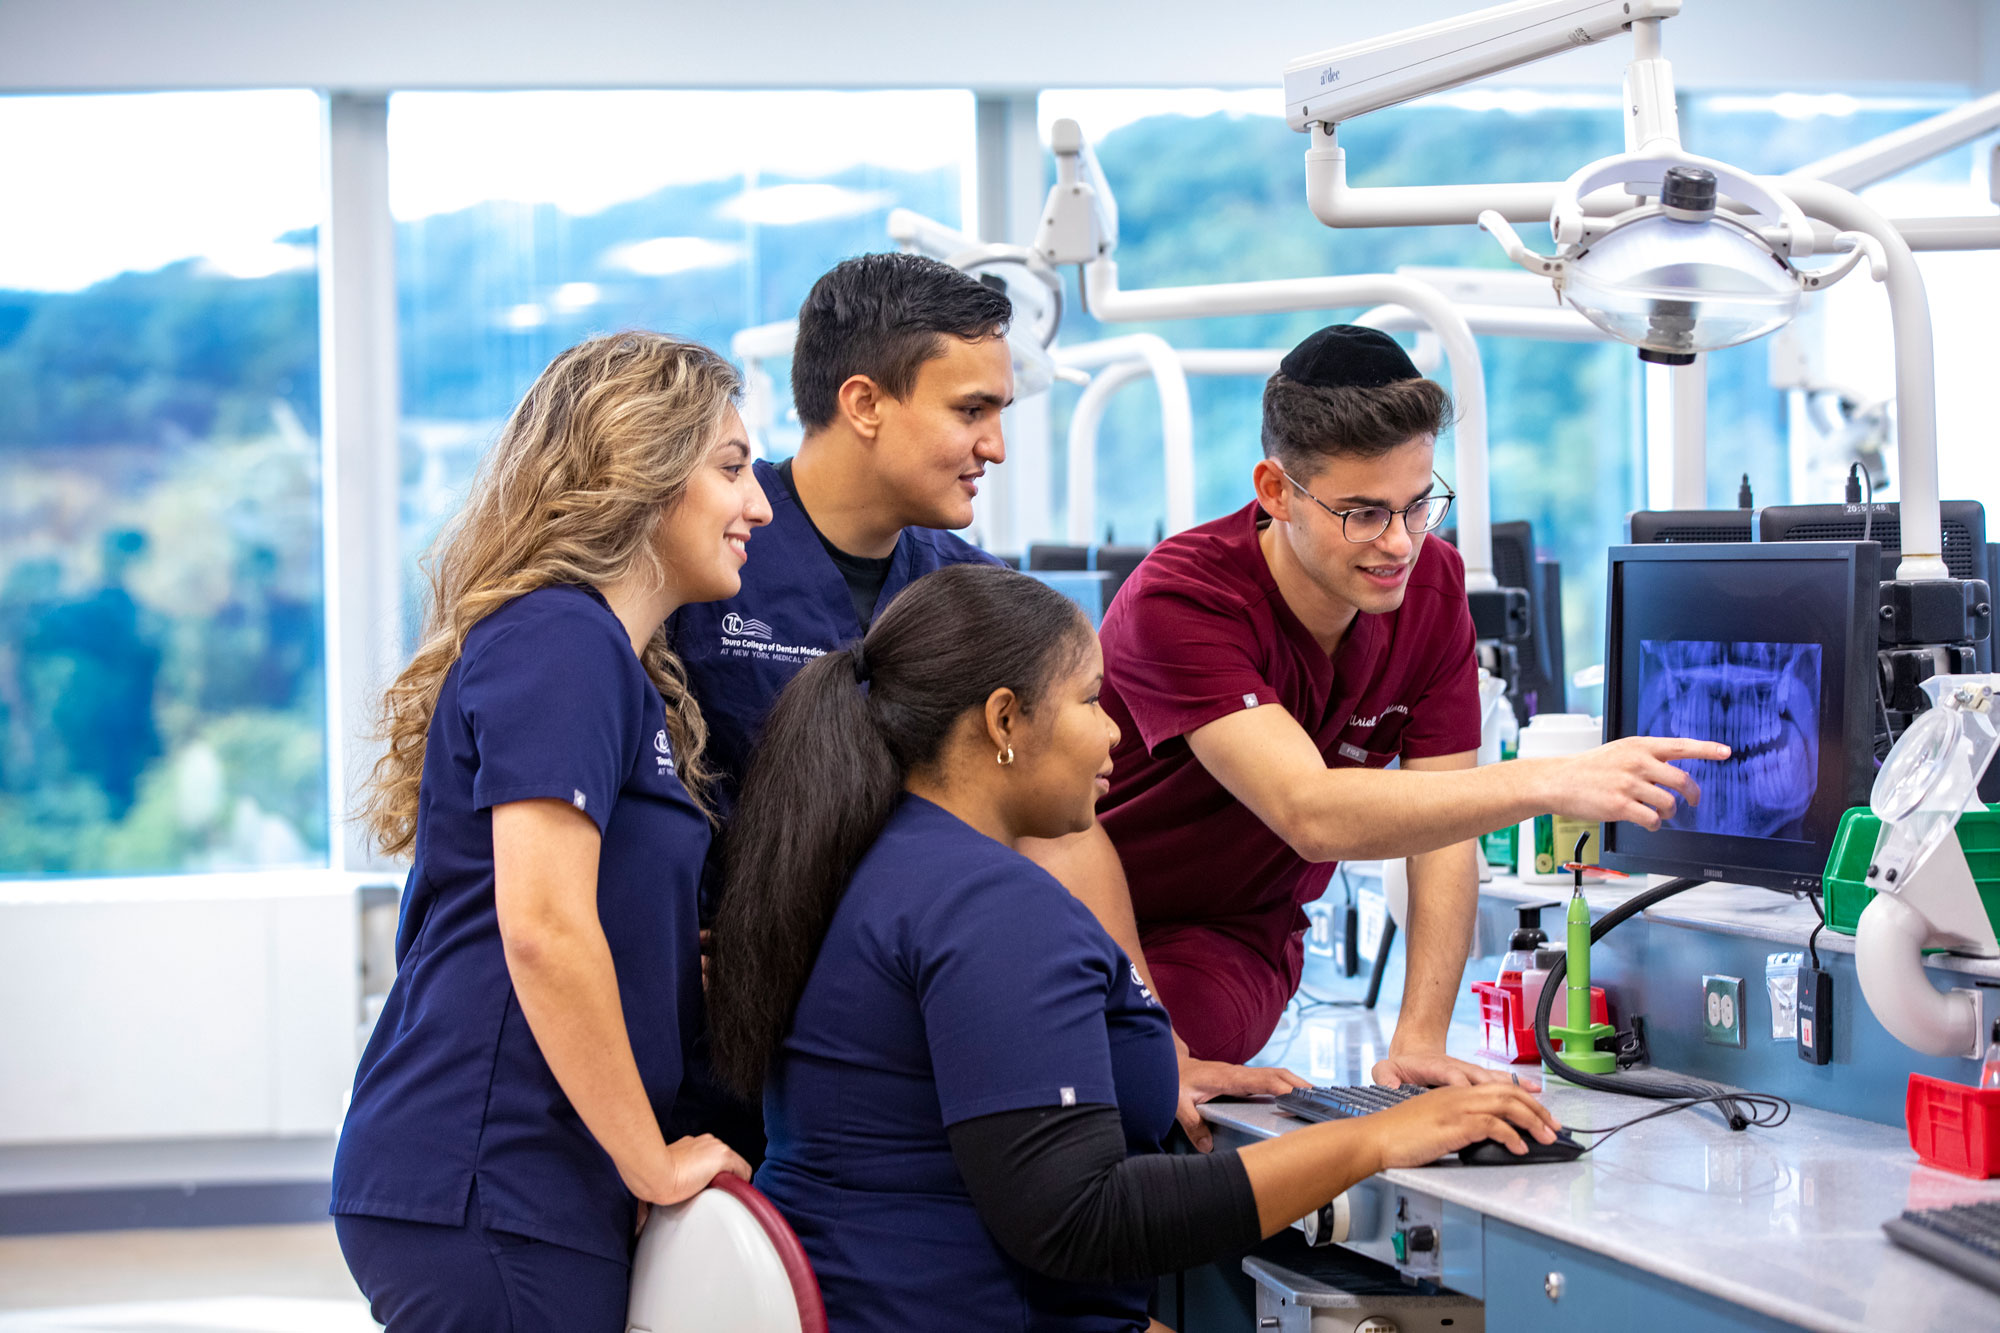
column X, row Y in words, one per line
column 1079, row 226
column 1034, row 287
column 751, row 348
column 1349, row 81
column 1673, row 280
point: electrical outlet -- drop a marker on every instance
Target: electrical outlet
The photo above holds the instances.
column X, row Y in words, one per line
column 1722, row 1010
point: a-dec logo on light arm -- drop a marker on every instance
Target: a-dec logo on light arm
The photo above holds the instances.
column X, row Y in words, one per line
column 738, row 628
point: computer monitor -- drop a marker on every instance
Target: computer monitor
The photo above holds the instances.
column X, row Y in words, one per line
column 1540, row 681
column 1542, row 687
column 1647, row 526
column 1115, row 561
column 1085, row 587
column 1962, row 524
column 1771, row 650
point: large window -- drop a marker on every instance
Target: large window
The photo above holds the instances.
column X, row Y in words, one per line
column 528, row 221
column 162, row 692
column 1211, row 188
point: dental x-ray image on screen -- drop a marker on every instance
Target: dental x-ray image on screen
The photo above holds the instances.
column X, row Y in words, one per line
column 1759, row 699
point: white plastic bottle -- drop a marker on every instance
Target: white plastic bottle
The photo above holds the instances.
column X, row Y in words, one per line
column 1546, row 842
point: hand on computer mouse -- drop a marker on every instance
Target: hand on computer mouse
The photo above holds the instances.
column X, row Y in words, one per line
column 1443, row 1120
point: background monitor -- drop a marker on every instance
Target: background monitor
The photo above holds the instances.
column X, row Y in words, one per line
column 1115, row 561
column 1771, row 650
column 1647, row 526
column 1540, row 686
column 1962, row 522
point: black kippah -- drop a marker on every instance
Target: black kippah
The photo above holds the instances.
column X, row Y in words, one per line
column 1348, row 356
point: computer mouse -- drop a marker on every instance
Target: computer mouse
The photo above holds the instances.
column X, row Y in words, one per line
column 1492, row 1152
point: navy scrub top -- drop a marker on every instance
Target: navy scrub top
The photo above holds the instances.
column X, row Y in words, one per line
column 793, row 607
column 958, row 980
column 546, row 700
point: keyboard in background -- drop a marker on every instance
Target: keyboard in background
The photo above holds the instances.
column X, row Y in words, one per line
column 1965, row 1239
column 1345, row 1103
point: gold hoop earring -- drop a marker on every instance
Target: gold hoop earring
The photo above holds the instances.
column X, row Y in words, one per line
column 1006, row 756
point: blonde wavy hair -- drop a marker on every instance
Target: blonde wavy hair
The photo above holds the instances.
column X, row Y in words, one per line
column 599, row 450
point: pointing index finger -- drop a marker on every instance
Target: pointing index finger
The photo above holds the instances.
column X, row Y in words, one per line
column 1677, row 747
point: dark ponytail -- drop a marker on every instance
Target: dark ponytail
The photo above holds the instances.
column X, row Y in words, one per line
column 829, row 769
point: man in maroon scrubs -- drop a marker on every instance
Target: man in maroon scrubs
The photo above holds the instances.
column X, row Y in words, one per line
column 1263, row 669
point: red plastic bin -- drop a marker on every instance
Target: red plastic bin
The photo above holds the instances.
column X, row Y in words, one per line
column 1953, row 1127
column 1507, row 1029
column 1503, row 1033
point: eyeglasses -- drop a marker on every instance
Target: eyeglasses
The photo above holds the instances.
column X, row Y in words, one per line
column 1371, row 521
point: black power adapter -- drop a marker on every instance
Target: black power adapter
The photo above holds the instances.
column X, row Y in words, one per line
column 1815, row 1015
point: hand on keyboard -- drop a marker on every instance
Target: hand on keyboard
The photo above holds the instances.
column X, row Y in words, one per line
column 1414, row 1127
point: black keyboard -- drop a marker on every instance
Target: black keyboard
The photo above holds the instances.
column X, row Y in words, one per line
column 1343, row 1103
column 1965, row 1239
column 1346, row 1103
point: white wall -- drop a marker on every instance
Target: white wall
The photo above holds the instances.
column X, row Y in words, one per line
column 1029, row 44
column 188, row 1007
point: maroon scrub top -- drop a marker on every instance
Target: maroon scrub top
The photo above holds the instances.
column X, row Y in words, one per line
column 1200, row 631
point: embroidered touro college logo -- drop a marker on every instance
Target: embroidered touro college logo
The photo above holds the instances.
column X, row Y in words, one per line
column 738, row 628
column 663, row 752
column 744, row 637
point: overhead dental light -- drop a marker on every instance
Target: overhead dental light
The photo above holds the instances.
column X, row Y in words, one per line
column 1676, row 276
column 1682, row 279
column 1673, row 253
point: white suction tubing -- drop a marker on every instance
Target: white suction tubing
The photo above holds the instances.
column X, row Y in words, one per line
column 1916, row 375
column 1126, row 358
column 1468, row 377
column 1889, row 945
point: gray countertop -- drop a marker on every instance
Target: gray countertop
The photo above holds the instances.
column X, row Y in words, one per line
column 1785, row 1221
column 1730, row 909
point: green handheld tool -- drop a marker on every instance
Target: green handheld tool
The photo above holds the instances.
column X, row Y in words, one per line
column 1578, row 1035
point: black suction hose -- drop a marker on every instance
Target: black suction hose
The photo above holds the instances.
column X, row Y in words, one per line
column 1654, row 1087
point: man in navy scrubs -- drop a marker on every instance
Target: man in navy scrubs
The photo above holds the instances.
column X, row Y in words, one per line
column 899, row 376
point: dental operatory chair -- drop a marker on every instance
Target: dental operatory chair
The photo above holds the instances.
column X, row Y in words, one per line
column 724, row 1259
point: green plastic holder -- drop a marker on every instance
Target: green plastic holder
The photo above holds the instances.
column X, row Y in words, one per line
column 1847, row 891
column 1578, row 1047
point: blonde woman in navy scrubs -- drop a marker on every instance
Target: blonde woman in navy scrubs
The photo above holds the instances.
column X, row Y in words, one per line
column 544, row 769
column 966, row 1084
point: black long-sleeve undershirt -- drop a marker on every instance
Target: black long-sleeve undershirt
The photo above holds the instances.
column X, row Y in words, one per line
column 1055, row 1187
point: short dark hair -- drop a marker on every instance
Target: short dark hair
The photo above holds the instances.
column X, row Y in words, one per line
column 1304, row 425
column 883, row 316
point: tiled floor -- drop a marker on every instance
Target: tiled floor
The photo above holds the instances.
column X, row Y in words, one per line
column 280, row 1279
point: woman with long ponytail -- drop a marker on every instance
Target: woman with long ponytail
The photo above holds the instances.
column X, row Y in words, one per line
column 544, row 771
column 967, row 1084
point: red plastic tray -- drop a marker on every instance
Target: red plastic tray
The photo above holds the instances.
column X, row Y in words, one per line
column 1953, row 1127
column 1507, row 1029
column 1502, row 1033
